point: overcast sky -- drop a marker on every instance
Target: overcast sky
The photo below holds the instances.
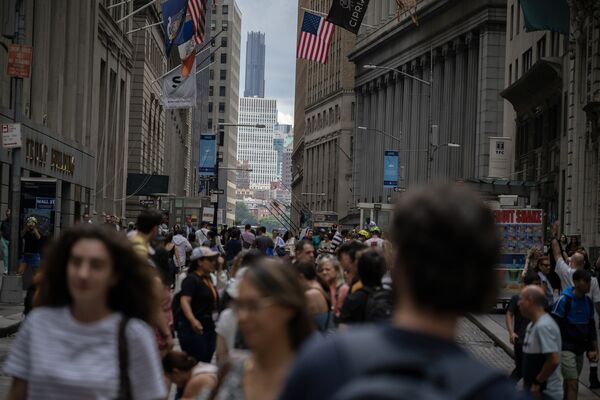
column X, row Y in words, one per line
column 277, row 19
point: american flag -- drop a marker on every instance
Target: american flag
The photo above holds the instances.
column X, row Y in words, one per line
column 315, row 37
column 197, row 10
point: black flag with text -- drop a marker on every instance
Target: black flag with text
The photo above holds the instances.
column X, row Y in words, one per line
column 348, row 14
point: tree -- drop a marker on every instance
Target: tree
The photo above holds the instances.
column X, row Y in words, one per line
column 270, row 223
column 243, row 216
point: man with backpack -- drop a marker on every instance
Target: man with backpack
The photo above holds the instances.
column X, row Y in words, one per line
column 447, row 247
column 574, row 313
column 371, row 302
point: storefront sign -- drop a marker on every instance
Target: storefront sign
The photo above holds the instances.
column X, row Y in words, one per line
column 390, row 169
column 45, row 203
column 19, row 61
column 523, row 216
column 11, row 136
column 37, row 154
column 500, row 157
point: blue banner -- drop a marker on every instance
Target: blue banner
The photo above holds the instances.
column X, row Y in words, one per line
column 174, row 12
column 208, row 154
column 390, row 169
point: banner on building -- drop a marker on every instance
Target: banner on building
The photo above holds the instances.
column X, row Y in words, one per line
column 348, row 14
column 179, row 91
column 174, row 12
column 208, row 214
column 390, row 169
column 208, row 154
column 38, row 199
column 546, row 15
column 500, row 157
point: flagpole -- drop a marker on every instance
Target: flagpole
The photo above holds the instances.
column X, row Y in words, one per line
column 137, row 11
column 325, row 15
column 203, row 68
column 144, row 27
column 118, row 4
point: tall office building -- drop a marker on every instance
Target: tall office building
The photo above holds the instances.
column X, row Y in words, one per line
column 255, row 65
column 224, row 95
column 255, row 145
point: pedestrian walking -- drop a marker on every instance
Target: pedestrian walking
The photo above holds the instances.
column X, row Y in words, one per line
column 199, row 302
column 304, row 252
column 415, row 356
column 147, row 225
column 248, row 237
column 543, row 270
column 338, row 239
column 574, row 312
column 233, row 247
column 375, row 240
column 279, row 243
column 516, row 325
column 190, row 377
column 347, row 254
column 5, row 227
column 290, row 243
column 541, row 347
column 263, row 242
column 89, row 336
column 274, row 322
column 32, row 246
column 182, row 247
column 202, row 233
column 317, row 297
column 330, row 270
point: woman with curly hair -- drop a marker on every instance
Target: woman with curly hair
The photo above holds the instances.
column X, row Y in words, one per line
column 89, row 336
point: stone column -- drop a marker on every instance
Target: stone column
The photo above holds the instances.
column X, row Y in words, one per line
column 447, row 108
column 397, row 118
column 437, row 87
column 468, row 150
column 424, row 120
column 415, row 131
column 390, row 144
column 407, row 102
column 458, row 110
column 379, row 141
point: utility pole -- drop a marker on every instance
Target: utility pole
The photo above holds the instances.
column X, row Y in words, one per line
column 15, row 180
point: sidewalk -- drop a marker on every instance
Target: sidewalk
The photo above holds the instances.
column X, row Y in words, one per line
column 10, row 318
column 493, row 326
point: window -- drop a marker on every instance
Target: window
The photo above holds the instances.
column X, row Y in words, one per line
column 222, row 91
column 554, row 44
column 518, row 16
column 516, row 69
column 223, row 58
column 213, row 26
column 541, row 48
column 211, row 91
column 225, row 25
column 214, row 10
column 210, row 123
column 211, row 74
column 210, row 107
column 527, row 56
column 221, row 108
column 510, row 74
column 223, row 74
column 212, row 58
column 225, row 9
column 224, row 41
column 512, row 21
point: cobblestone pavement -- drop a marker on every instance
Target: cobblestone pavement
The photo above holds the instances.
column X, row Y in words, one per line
column 481, row 346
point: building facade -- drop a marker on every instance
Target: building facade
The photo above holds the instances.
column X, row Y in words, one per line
column 73, row 110
column 255, row 145
column 459, row 48
column 255, row 65
column 224, row 96
column 324, row 123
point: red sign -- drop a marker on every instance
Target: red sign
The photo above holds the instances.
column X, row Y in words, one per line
column 19, row 61
column 521, row 216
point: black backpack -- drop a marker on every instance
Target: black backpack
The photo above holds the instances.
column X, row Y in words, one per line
column 380, row 370
column 380, row 304
column 176, row 303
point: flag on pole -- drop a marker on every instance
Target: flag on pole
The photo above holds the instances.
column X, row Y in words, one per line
column 174, row 12
column 197, row 10
column 179, row 91
column 186, row 45
column 315, row 38
column 348, row 14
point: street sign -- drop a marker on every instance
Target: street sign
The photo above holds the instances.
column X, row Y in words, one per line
column 147, row 203
column 11, row 135
column 214, row 198
column 377, row 206
column 217, row 191
column 399, row 189
column 19, row 61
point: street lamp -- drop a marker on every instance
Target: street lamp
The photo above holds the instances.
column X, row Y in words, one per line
column 314, row 194
column 429, row 118
column 221, row 142
column 364, row 128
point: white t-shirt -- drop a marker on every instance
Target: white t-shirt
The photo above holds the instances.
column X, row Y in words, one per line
column 227, row 328
column 375, row 242
column 565, row 273
column 61, row 358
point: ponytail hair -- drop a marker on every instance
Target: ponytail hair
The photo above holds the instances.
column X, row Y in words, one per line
column 178, row 360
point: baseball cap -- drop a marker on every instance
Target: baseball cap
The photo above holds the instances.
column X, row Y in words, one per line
column 202, row 252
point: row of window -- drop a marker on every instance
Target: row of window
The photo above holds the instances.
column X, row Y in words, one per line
column 224, row 9
column 222, row 74
column 222, row 91
column 323, row 120
column 223, row 58
column 221, row 107
column 527, row 57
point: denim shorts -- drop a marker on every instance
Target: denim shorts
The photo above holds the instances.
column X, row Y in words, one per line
column 31, row 259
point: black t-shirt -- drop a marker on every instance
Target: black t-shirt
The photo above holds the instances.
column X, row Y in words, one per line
column 321, row 370
column 232, row 249
column 204, row 299
column 520, row 322
column 353, row 310
column 32, row 243
column 263, row 243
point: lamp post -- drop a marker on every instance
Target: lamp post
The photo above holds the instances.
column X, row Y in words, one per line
column 220, row 143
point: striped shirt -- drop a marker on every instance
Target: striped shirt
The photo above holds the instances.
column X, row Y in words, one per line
column 61, row 358
column 335, row 242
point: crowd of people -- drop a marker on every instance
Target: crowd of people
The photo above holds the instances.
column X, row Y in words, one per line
column 341, row 314
column 551, row 322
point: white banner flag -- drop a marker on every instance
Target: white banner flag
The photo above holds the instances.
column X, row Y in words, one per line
column 179, row 91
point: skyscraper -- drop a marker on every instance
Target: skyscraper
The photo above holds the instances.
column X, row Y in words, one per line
column 255, row 65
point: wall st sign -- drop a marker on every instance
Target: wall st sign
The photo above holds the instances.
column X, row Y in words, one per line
column 36, row 153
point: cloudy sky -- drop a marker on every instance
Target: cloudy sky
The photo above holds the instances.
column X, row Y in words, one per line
column 277, row 18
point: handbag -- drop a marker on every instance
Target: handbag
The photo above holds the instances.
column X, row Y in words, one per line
column 124, row 383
